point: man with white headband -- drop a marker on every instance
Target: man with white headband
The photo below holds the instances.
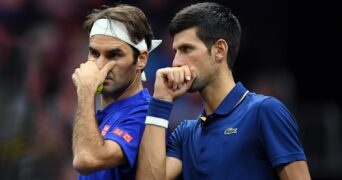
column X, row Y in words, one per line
column 105, row 143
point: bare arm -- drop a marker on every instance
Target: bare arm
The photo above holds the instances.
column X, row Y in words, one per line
column 152, row 162
column 152, row 153
column 173, row 168
column 91, row 152
column 156, row 156
column 296, row 170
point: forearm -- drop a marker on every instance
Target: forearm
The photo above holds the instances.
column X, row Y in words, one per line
column 86, row 137
column 152, row 151
column 91, row 152
column 295, row 170
column 152, row 154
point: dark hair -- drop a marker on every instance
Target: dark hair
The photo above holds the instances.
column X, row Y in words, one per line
column 213, row 22
column 132, row 17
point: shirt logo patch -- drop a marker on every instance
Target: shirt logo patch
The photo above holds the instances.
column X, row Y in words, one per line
column 128, row 138
column 230, row 130
column 118, row 132
column 105, row 130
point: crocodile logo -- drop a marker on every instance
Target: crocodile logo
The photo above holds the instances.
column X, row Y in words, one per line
column 230, row 130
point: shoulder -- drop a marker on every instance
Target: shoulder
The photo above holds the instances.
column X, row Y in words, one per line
column 182, row 132
column 130, row 113
column 187, row 124
column 264, row 103
column 267, row 107
column 270, row 111
column 185, row 127
column 137, row 105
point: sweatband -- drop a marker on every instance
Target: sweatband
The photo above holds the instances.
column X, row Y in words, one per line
column 158, row 112
column 157, row 121
column 118, row 30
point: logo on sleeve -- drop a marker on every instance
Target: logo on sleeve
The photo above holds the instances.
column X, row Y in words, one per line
column 105, row 130
column 118, row 132
column 127, row 137
column 230, row 130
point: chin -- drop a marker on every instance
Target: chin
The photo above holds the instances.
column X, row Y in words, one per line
column 193, row 88
column 107, row 90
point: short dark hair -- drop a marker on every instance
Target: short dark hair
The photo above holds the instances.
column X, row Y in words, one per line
column 132, row 17
column 213, row 22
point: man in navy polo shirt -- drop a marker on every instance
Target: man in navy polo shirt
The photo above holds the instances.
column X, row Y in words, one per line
column 105, row 144
column 239, row 135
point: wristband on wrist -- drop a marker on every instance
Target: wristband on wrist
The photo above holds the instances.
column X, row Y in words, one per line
column 158, row 112
column 157, row 121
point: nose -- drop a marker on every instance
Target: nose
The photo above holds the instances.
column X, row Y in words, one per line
column 101, row 61
column 178, row 60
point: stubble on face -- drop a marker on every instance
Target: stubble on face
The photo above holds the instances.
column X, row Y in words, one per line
column 105, row 49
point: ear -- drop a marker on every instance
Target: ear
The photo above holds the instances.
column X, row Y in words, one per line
column 220, row 50
column 142, row 60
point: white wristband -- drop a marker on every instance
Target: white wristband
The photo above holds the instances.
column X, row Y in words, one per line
column 157, row 121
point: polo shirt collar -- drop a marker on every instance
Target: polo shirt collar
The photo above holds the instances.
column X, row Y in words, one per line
column 234, row 97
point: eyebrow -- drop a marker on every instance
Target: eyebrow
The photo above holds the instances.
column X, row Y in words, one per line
column 184, row 45
column 110, row 51
column 92, row 49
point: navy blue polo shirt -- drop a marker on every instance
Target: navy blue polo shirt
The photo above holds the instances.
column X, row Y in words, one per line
column 245, row 138
column 123, row 121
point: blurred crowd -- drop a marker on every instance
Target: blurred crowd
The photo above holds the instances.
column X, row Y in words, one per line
column 42, row 42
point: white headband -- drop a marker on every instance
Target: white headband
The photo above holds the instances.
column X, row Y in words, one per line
column 118, row 30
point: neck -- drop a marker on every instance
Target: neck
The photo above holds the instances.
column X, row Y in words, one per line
column 132, row 89
column 214, row 93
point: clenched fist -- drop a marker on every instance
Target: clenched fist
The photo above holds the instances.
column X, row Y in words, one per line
column 172, row 82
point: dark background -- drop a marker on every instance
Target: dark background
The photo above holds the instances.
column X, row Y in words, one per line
column 290, row 50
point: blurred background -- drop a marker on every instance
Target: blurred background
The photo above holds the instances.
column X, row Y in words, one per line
column 290, row 50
